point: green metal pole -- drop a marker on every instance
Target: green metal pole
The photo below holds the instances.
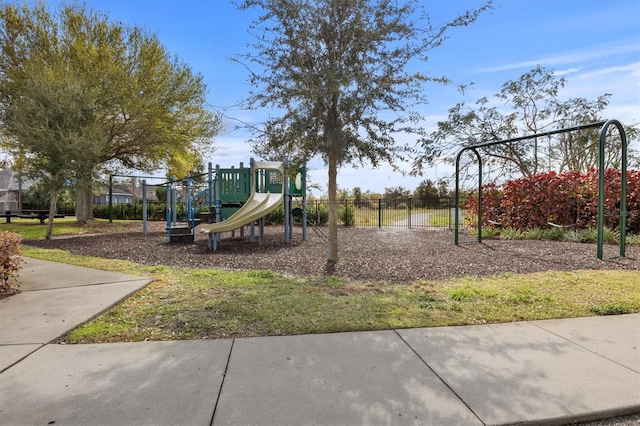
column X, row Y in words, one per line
column 456, row 222
column 600, row 222
column 144, row 207
column 623, row 190
column 210, row 192
column 110, row 198
column 479, row 196
column 623, row 195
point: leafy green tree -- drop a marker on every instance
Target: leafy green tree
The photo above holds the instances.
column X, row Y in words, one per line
column 161, row 194
column 50, row 125
column 396, row 192
column 443, row 189
column 358, row 200
column 344, row 74
column 578, row 151
column 535, row 107
column 426, row 189
column 38, row 196
column 141, row 108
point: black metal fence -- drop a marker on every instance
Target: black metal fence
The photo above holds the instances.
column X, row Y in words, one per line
column 383, row 212
column 155, row 211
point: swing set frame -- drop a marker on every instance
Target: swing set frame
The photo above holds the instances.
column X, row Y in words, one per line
column 604, row 126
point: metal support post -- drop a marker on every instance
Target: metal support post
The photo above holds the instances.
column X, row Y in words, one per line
column 144, row 207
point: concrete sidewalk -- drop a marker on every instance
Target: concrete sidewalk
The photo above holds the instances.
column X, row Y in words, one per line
column 542, row 372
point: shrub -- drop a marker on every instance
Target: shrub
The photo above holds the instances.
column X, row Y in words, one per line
column 546, row 197
column 346, row 214
column 10, row 259
column 318, row 214
column 569, row 198
column 155, row 211
column 491, row 209
column 276, row 217
column 612, row 185
column 511, row 234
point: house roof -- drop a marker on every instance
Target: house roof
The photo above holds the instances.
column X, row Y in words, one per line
column 121, row 190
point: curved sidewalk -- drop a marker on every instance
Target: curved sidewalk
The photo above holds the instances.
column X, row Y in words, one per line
column 539, row 372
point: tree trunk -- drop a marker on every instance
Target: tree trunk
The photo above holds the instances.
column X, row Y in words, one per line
column 52, row 212
column 84, row 204
column 332, row 249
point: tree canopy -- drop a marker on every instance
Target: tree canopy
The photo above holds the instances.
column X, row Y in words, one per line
column 128, row 103
column 54, row 122
column 346, row 76
column 526, row 106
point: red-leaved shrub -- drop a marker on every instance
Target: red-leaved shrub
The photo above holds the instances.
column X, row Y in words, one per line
column 564, row 199
column 612, row 191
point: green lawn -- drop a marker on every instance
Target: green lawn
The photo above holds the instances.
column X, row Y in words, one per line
column 365, row 216
column 32, row 228
column 196, row 303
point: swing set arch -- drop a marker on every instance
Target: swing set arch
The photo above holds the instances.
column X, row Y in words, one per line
column 604, row 126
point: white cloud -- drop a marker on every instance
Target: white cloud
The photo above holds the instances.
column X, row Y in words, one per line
column 561, row 73
column 621, row 81
column 231, row 152
column 632, row 69
column 575, row 56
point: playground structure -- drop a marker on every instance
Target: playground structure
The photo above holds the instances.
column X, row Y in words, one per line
column 228, row 200
column 604, row 126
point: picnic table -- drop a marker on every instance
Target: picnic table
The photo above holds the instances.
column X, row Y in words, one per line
column 42, row 215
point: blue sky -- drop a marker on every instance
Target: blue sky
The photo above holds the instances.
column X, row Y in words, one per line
column 594, row 44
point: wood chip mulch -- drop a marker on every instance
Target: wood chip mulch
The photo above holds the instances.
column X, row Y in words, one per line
column 392, row 255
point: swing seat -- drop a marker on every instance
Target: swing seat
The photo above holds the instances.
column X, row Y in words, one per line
column 555, row 225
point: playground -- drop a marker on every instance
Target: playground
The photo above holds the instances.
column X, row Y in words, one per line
column 366, row 254
column 226, row 200
column 230, row 200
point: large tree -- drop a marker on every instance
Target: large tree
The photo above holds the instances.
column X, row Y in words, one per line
column 345, row 76
column 526, row 106
column 145, row 109
column 54, row 122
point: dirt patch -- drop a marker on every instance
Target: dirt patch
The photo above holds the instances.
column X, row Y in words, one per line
column 366, row 254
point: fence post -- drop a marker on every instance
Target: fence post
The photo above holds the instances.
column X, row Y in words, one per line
column 379, row 213
column 409, row 213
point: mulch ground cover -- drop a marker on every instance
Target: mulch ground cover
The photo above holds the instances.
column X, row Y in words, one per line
column 391, row 255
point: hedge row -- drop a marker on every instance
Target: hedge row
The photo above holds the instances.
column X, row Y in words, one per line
column 155, row 211
column 566, row 199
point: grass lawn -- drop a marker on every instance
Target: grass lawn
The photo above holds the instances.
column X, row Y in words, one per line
column 33, row 229
column 366, row 216
column 198, row 303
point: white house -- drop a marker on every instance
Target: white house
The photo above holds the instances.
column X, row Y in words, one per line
column 11, row 183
